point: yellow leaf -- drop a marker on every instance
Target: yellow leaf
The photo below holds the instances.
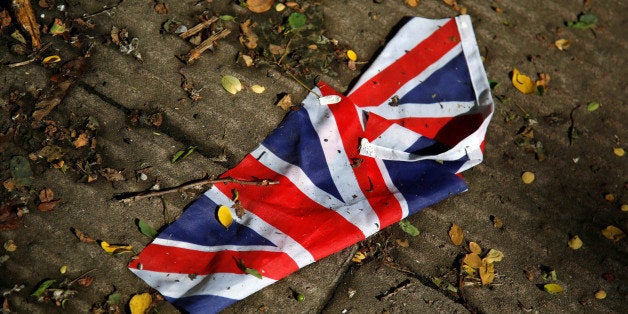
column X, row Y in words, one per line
column 352, row 55
column 475, row 248
column 619, row 151
column 522, row 82
column 470, row 271
column 140, row 303
column 358, row 257
column 224, row 216
column 562, row 44
column 473, row 260
column 412, row 3
column 493, row 255
column 115, row 249
column 487, row 273
column 231, row 84
column 258, row 89
column 613, row 233
column 553, row 288
column 51, row 59
column 527, row 177
column 600, row 294
column 455, row 234
column 575, row 242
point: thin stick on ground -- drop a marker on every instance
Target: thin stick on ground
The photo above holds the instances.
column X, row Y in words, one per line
column 190, row 185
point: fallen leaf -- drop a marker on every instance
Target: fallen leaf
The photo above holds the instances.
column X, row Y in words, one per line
column 444, row 285
column 403, row 243
column 146, row 229
column 48, row 206
column 562, row 44
column 497, row 222
column 276, row 49
column 140, row 303
column 162, row 8
column 358, row 257
column 231, row 84
column 21, row 171
column 248, row 38
column 469, row 271
column 600, row 294
column 619, row 151
column 592, row 106
column 575, row 242
column 487, row 273
column 522, row 82
column 51, row 59
column 456, row 235
column 57, row 28
column 473, row 260
column 609, row 197
column 26, row 17
column 248, row 270
column 258, row 89
column 111, row 174
column 493, row 255
column 5, row 19
column 248, row 61
column 542, row 84
column 224, row 216
column 227, row 18
column 475, row 248
column 9, row 218
column 285, row 102
column 42, row 287
column 259, row 6
column 63, row 269
column 296, row 20
column 86, row 281
column 408, row 228
column 46, row 195
column 585, row 20
column 527, row 177
column 553, row 288
column 81, row 140
column 114, row 248
column 352, row 55
column 10, row 246
column 613, row 233
column 412, row 3
column 182, row 154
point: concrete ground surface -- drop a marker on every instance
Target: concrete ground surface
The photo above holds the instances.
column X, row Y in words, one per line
column 566, row 199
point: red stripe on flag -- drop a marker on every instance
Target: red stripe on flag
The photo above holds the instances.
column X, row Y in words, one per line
column 368, row 175
column 320, row 230
column 384, row 84
column 168, row 259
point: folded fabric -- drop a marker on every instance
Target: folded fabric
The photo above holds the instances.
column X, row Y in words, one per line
column 346, row 167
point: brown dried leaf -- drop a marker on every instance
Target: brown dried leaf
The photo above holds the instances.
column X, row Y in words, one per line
column 403, row 243
column 9, row 184
column 47, row 105
column 259, row 6
column 26, row 17
column 85, row 281
column 412, row 3
column 81, row 140
column 162, row 8
column 9, row 218
column 48, row 206
column 111, row 174
column 475, row 248
column 46, row 195
column 5, row 19
column 285, row 102
column 82, row 236
column 248, row 37
column 487, row 273
column 276, row 49
column 456, row 235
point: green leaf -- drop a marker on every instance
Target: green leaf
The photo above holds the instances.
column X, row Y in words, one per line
column 227, row 17
column 409, row 228
column 296, row 20
column 253, row 272
column 146, row 229
column 493, row 84
column 114, row 298
column 592, row 106
column 553, row 288
column 182, row 154
column 42, row 287
column 585, row 20
column 21, row 171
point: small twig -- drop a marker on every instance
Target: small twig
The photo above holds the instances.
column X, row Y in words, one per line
column 34, row 57
column 285, row 53
column 303, row 84
column 206, row 44
column 189, row 185
column 197, row 28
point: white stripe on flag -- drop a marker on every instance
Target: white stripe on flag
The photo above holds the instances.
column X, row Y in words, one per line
column 226, row 285
column 392, row 188
column 433, row 110
column 216, row 248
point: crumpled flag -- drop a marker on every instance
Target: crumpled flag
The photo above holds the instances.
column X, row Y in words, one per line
column 392, row 146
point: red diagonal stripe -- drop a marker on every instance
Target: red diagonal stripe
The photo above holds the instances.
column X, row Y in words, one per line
column 367, row 173
column 320, row 230
column 167, row 259
column 384, row 85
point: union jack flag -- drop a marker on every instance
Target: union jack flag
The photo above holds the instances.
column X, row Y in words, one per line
column 347, row 166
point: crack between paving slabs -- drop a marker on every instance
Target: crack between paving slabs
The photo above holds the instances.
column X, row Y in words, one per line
column 165, row 128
